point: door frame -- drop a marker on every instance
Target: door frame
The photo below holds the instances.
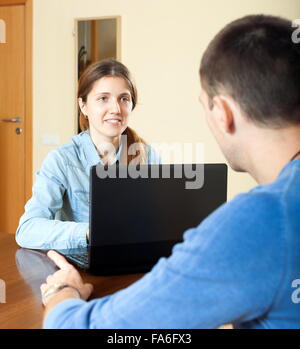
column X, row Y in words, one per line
column 28, row 5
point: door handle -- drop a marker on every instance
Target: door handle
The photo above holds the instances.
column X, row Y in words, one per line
column 16, row 120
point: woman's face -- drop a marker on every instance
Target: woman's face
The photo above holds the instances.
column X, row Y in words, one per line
column 108, row 107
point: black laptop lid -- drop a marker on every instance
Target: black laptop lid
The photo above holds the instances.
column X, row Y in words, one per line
column 150, row 203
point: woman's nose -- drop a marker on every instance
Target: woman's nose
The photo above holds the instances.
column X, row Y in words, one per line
column 115, row 107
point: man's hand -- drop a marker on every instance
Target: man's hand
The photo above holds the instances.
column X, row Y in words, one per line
column 66, row 275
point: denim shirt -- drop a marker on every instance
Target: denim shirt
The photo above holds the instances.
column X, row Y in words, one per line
column 57, row 215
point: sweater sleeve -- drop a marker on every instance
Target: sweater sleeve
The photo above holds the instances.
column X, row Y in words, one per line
column 227, row 270
column 38, row 227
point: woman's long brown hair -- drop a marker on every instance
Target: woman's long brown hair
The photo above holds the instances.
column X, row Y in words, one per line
column 96, row 71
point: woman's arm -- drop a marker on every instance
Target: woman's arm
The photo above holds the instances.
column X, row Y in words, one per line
column 38, row 227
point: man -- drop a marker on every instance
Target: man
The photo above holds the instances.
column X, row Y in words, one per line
column 240, row 264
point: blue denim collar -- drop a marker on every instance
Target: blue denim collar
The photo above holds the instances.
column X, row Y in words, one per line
column 91, row 155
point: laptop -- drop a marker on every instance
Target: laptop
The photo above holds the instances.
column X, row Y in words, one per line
column 139, row 212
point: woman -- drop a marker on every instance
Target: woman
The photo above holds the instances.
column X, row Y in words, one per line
column 57, row 215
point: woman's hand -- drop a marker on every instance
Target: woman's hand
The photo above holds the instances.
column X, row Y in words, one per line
column 66, row 275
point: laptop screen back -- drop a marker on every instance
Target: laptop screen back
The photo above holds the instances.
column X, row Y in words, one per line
column 127, row 209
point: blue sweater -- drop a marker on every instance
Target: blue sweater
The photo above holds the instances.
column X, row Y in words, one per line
column 241, row 265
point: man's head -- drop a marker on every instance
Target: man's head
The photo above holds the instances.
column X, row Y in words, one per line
column 252, row 68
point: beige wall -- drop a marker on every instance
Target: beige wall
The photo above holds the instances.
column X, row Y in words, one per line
column 162, row 43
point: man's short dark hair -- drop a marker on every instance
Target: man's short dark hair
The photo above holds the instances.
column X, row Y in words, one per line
column 256, row 62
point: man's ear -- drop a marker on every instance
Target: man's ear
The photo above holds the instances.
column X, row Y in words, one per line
column 224, row 113
column 82, row 106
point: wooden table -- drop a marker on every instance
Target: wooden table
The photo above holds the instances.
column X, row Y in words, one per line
column 23, row 271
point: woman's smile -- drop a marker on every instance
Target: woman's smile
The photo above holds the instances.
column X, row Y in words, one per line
column 114, row 121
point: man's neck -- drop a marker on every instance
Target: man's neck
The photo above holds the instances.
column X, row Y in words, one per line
column 271, row 152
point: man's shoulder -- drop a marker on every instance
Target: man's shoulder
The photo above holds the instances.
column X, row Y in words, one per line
column 258, row 212
column 257, row 201
column 283, row 192
column 264, row 210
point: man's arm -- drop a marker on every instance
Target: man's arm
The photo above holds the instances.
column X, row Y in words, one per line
column 227, row 270
column 64, row 284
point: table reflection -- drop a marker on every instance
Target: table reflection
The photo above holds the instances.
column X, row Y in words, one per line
column 34, row 267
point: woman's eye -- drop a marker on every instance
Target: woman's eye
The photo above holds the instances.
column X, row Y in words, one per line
column 102, row 99
column 125, row 99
